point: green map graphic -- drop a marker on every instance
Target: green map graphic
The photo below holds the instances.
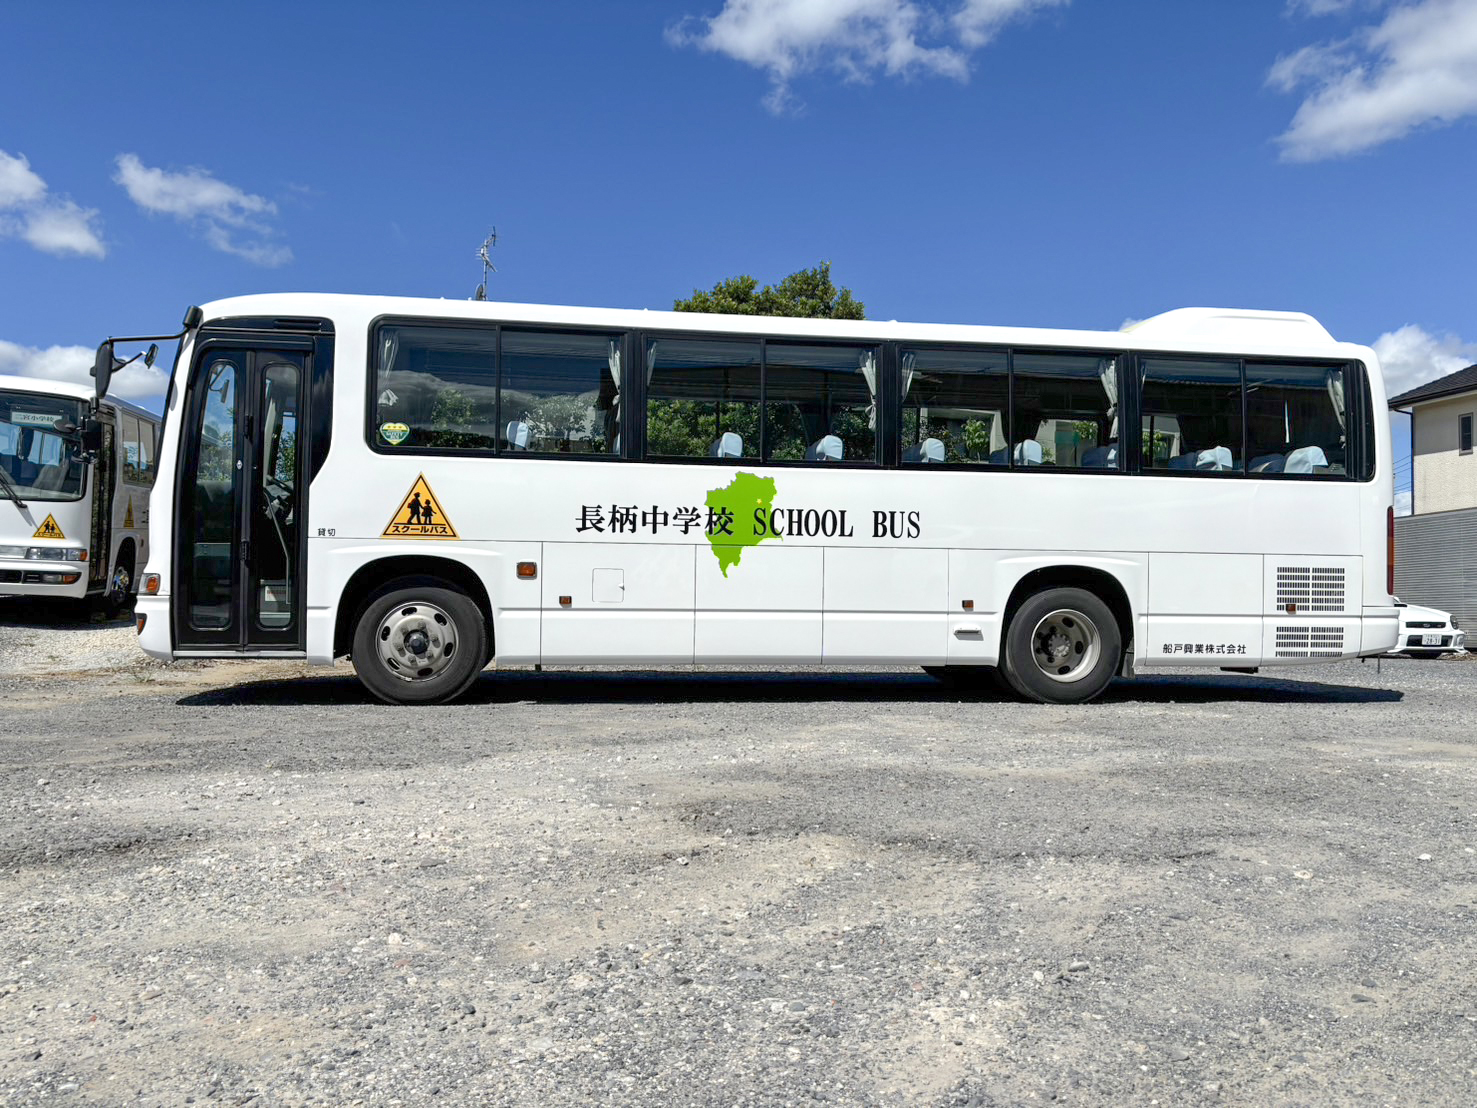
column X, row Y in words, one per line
column 740, row 496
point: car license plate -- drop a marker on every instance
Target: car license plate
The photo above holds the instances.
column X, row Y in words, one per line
column 1430, row 640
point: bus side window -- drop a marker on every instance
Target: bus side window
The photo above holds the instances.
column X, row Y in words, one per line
column 954, row 405
column 135, row 466
column 1296, row 419
column 820, row 403
column 1191, row 411
column 435, row 387
column 560, row 392
column 1066, row 410
column 702, row 398
column 146, row 452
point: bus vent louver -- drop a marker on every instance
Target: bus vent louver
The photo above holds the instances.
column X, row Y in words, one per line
column 1310, row 588
column 1310, row 642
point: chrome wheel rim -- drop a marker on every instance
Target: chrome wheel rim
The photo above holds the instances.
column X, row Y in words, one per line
column 118, row 586
column 1065, row 645
column 416, row 641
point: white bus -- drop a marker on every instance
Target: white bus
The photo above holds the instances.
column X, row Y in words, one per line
column 74, row 514
column 431, row 486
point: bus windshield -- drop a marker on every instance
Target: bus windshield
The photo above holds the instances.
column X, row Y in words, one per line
column 40, row 461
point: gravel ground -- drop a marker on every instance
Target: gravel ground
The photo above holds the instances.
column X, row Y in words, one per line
column 247, row 884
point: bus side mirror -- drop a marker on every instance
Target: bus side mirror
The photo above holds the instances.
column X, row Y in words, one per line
column 92, row 437
column 102, row 369
column 152, row 355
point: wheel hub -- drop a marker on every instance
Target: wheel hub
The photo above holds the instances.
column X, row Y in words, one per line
column 1065, row 645
column 416, row 641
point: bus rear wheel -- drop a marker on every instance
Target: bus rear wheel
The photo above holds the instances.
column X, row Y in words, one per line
column 419, row 643
column 1063, row 646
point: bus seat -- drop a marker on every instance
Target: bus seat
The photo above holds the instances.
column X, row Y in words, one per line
column 1027, row 453
column 1101, row 457
column 826, row 449
column 1304, row 458
column 517, row 435
column 1217, row 457
column 730, row 444
column 929, row 450
column 1267, row 463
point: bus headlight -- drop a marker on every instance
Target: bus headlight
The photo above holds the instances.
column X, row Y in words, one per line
column 56, row 554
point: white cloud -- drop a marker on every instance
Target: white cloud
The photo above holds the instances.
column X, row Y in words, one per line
column 61, row 227
column 1322, row 7
column 229, row 219
column 1404, row 502
column 1417, row 68
column 1410, row 356
column 52, row 225
column 856, row 38
column 19, row 184
column 137, row 382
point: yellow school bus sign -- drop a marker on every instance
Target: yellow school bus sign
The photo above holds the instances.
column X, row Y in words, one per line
column 48, row 529
column 419, row 516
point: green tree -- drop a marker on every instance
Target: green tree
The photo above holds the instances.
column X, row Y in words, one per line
column 452, row 412
column 807, row 293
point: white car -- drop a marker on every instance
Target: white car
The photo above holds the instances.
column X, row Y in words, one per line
column 1427, row 632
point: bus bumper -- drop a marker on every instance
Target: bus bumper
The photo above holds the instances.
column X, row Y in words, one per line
column 154, row 638
column 1381, row 630
column 43, row 578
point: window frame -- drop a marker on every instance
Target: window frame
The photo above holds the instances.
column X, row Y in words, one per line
column 496, row 329
column 1464, row 433
column 1357, row 431
column 1360, row 459
column 886, row 371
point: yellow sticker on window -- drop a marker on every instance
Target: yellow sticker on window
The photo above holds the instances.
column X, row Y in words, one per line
column 48, row 530
column 420, row 516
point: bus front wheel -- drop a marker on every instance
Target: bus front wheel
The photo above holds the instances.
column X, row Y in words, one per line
column 1062, row 647
column 419, row 643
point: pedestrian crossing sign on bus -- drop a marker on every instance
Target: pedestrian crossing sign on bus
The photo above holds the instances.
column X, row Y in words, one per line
column 48, row 529
column 420, row 516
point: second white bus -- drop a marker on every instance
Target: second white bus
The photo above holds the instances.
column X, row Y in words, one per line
column 74, row 522
column 432, row 486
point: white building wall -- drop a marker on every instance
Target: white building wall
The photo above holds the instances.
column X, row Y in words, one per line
column 1444, row 479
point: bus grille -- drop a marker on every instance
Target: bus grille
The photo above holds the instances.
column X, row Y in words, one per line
column 1310, row 588
column 1310, row 642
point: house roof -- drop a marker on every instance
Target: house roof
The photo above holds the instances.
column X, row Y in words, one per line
column 1463, row 380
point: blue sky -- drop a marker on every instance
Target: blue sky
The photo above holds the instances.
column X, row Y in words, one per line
column 1046, row 162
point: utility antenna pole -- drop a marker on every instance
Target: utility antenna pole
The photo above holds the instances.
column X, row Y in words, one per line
column 487, row 267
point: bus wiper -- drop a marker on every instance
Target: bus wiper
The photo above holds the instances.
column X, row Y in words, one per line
column 7, row 486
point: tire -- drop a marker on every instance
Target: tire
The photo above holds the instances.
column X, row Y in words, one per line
column 419, row 643
column 1063, row 646
column 119, row 589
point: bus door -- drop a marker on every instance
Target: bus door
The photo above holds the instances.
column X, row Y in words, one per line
column 104, row 477
column 239, row 554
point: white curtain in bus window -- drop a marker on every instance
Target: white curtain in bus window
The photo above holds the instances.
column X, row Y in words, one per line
column 954, row 406
column 1191, row 415
column 560, row 392
column 1295, row 419
column 1065, row 411
column 436, row 387
column 702, row 399
column 820, row 403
